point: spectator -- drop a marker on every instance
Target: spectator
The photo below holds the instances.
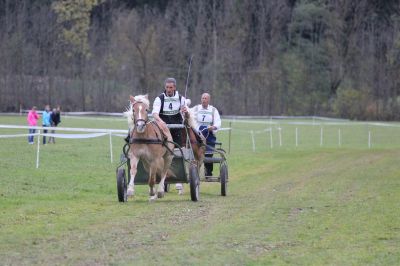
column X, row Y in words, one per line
column 32, row 119
column 46, row 121
column 55, row 118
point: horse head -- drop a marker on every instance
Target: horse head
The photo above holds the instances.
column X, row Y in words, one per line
column 139, row 106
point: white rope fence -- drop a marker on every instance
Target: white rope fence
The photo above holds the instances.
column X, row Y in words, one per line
column 323, row 140
column 94, row 133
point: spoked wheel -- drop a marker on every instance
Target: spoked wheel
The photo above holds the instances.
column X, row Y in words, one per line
column 121, row 185
column 223, row 172
column 194, row 180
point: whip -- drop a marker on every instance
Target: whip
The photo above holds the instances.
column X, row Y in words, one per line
column 187, row 78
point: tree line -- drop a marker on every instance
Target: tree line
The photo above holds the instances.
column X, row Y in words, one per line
column 261, row 57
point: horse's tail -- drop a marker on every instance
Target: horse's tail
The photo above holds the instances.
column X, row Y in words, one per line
column 129, row 115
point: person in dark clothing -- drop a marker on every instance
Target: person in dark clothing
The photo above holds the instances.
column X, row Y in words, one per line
column 55, row 119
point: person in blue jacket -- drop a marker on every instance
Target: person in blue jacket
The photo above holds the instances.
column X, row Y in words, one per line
column 46, row 121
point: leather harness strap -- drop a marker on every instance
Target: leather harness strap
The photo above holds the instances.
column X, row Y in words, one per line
column 144, row 141
column 162, row 142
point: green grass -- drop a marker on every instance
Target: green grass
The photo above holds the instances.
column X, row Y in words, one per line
column 304, row 205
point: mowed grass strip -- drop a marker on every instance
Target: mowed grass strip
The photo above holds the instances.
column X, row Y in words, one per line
column 308, row 207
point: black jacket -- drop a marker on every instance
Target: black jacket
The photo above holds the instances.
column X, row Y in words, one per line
column 55, row 118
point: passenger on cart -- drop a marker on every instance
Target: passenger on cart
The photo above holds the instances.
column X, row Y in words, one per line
column 209, row 122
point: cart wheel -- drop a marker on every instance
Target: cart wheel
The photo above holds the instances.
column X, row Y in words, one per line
column 121, row 185
column 166, row 187
column 223, row 172
column 194, row 183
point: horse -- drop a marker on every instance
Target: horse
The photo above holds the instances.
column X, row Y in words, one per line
column 151, row 143
column 197, row 140
column 192, row 140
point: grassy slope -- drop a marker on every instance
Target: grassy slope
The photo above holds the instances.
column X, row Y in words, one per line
column 305, row 206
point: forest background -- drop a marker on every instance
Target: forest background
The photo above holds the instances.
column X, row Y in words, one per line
column 336, row 58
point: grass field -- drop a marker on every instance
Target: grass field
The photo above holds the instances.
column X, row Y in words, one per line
column 308, row 204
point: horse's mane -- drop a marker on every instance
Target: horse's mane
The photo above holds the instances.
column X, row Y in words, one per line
column 142, row 98
column 129, row 110
column 192, row 120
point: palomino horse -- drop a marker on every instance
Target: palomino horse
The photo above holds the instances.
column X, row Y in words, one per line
column 151, row 143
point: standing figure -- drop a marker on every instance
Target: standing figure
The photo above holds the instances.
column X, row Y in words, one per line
column 55, row 118
column 46, row 121
column 32, row 119
column 209, row 121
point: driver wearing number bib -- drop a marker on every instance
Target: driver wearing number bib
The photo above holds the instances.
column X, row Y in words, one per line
column 167, row 108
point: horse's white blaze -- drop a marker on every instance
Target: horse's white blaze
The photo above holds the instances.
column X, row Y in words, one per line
column 140, row 112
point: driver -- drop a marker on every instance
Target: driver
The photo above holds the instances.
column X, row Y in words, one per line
column 167, row 108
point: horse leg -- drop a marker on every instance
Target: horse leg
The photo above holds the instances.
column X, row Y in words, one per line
column 167, row 164
column 160, row 190
column 131, row 186
column 152, row 181
column 199, row 152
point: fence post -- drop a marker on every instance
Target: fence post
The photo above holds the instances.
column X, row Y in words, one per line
column 369, row 139
column 270, row 138
column 229, row 140
column 297, row 143
column 38, row 149
column 252, row 139
column 322, row 136
column 280, row 136
column 340, row 138
column 111, row 150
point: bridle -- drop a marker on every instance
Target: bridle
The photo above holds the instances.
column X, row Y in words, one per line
column 136, row 120
column 162, row 139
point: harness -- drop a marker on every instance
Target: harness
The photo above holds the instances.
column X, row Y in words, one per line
column 157, row 140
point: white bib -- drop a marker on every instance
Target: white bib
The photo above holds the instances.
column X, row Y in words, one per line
column 172, row 105
column 205, row 116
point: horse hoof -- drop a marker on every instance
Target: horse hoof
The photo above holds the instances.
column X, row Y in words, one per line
column 153, row 198
column 130, row 192
column 160, row 194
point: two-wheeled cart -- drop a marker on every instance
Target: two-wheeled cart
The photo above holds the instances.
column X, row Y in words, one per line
column 182, row 170
column 218, row 158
